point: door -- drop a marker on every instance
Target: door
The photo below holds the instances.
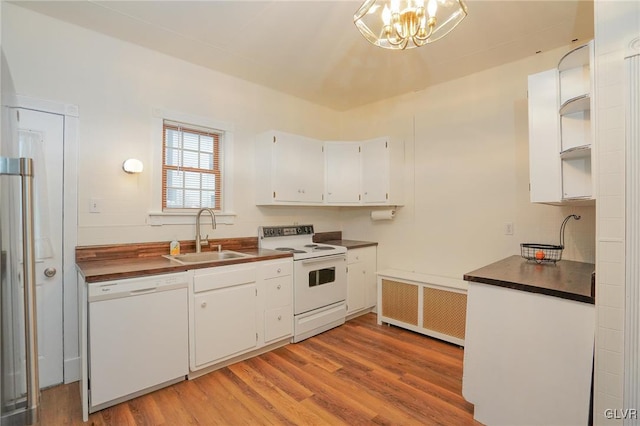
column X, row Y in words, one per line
column 41, row 137
column 545, row 171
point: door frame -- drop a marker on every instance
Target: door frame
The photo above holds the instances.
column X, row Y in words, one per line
column 71, row 349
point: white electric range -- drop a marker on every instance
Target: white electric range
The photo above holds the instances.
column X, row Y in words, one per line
column 319, row 278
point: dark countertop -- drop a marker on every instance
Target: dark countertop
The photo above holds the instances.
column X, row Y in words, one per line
column 350, row 244
column 565, row 279
column 112, row 269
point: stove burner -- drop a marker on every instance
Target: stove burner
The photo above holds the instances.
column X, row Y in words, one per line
column 324, row 248
column 311, row 245
column 289, row 249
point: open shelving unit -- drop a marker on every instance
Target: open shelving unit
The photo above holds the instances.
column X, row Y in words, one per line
column 575, row 83
column 561, row 130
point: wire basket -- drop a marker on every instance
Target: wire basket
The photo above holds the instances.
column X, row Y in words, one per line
column 546, row 253
column 541, row 252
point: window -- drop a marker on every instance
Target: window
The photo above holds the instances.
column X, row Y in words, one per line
column 191, row 169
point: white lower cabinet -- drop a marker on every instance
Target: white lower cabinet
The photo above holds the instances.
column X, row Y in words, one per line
column 237, row 309
column 225, row 322
column 361, row 279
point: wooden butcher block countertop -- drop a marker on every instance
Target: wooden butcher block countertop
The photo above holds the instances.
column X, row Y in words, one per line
column 105, row 263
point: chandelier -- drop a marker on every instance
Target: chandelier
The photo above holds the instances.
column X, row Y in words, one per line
column 405, row 24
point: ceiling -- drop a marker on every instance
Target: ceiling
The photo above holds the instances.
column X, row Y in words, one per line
column 312, row 50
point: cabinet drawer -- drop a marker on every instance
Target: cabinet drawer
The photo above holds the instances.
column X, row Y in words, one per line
column 279, row 292
column 276, row 269
column 221, row 277
column 278, row 323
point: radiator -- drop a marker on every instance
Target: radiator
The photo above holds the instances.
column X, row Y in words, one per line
column 431, row 305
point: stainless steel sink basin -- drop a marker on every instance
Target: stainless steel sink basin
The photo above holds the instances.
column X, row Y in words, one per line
column 208, row 256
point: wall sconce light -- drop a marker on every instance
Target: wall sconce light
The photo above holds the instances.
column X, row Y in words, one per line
column 132, row 166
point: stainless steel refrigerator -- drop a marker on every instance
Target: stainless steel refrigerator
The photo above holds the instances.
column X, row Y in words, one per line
column 19, row 388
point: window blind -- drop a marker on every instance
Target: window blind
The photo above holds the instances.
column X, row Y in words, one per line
column 191, row 175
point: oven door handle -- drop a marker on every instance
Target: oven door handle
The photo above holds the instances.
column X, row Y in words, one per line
column 324, row 259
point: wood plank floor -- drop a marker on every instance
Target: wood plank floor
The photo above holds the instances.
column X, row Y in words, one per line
column 357, row 374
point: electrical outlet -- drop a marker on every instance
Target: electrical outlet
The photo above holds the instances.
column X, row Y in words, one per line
column 508, row 228
column 95, row 205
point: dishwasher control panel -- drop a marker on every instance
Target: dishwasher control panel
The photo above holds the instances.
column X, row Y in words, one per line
column 136, row 286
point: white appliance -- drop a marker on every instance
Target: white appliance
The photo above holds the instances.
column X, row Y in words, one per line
column 138, row 336
column 319, row 278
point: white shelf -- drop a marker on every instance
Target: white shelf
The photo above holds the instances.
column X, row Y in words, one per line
column 578, row 104
column 576, row 152
column 575, row 58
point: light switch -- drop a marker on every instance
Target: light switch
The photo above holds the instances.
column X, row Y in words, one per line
column 95, row 205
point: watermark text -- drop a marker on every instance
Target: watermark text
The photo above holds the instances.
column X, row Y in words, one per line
column 621, row 413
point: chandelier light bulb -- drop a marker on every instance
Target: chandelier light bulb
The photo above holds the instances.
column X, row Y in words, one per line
column 432, row 8
column 386, row 15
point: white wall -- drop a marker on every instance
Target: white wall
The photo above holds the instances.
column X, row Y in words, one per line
column 616, row 24
column 115, row 86
column 468, row 174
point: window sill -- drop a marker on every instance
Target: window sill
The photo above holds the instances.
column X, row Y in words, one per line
column 157, row 218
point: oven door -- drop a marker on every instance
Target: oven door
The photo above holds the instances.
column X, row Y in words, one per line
column 319, row 282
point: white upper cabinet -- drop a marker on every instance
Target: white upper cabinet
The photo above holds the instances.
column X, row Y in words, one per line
column 289, row 169
column 376, row 173
column 296, row 170
column 342, row 172
column 560, row 130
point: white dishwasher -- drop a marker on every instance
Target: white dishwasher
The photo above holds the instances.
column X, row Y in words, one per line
column 138, row 336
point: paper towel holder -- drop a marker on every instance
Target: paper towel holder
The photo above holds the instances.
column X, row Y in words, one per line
column 387, row 214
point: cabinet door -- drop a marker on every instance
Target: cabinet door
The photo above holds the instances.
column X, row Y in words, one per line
column 225, row 322
column 545, row 174
column 298, row 174
column 311, row 172
column 342, row 171
column 375, row 171
column 356, row 291
column 369, row 256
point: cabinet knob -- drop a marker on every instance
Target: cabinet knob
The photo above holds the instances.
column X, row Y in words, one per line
column 279, row 317
column 279, row 286
column 279, row 270
column 203, row 305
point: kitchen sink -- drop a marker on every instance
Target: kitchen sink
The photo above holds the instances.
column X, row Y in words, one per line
column 205, row 257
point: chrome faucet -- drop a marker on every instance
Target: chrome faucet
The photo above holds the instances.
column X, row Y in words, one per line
column 200, row 241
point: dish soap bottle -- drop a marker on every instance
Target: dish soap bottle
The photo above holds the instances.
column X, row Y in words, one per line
column 174, row 248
